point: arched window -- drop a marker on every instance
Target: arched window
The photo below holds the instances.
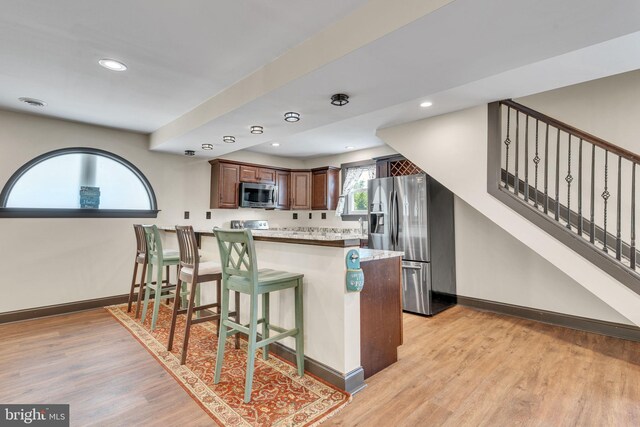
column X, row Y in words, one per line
column 78, row 182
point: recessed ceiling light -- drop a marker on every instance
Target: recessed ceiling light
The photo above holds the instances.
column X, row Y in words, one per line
column 426, row 104
column 275, row 144
column 339, row 99
column 349, row 147
column 33, row 102
column 112, row 64
column 207, row 146
column 229, row 139
column 189, row 153
column 257, row 130
column 291, row 116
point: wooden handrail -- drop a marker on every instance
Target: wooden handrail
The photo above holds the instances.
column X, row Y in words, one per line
column 574, row 131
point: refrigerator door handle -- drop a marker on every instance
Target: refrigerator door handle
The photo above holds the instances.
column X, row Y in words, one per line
column 392, row 219
column 396, row 217
column 411, row 267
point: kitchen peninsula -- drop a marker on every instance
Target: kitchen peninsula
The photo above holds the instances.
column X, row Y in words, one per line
column 348, row 335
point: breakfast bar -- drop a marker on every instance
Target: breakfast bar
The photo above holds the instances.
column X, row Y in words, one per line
column 348, row 335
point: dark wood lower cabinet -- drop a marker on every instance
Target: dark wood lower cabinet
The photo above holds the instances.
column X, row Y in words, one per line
column 380, row 314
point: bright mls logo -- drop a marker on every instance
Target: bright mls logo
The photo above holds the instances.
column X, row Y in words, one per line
column 34, row 415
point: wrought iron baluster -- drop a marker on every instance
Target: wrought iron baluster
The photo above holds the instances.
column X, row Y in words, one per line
column 526, row 159
column 619, row 210
column 536, row 160
column 546, row 170
column 516, row 180
column 592, row 225
column 605, row 196
column 557, row 214
column 632, row 249
column 507, row 142
column 569, row 178
column 580, row 188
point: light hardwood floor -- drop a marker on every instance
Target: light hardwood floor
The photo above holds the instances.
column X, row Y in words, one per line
column 465, row 367
column 461, row 368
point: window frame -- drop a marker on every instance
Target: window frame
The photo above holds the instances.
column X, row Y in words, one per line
column 343, row 173
column 6, row 212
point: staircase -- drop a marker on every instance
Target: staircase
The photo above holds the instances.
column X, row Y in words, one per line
column 576, row 186
column 466, row 152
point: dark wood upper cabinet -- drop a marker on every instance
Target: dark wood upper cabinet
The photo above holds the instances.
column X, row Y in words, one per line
column 225, row 178
column 257, row 174
column 300, row 190
column 297, row 189
column 325, row 188
column 282, row 181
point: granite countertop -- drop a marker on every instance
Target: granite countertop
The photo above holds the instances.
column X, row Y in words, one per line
column 328, row 237
column 373, row 254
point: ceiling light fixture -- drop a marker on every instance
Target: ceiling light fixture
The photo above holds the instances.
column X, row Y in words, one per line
column 339, row 99
column 33, row 102
column 426, row 104
column 257, row 130
column 275, row 144
column 207, row 146
column 189, row 153
column 229, row 139
column 112, row 64
column 349, row 147
column 291, row 116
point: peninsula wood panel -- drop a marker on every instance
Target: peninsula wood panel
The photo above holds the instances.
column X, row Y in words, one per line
column 380, row 314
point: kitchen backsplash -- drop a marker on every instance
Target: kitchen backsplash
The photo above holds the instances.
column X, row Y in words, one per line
column 277, row 219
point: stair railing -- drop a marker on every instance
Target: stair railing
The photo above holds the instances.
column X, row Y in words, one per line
column 578, row 187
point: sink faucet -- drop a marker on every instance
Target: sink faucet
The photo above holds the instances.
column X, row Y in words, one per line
column 361, row 222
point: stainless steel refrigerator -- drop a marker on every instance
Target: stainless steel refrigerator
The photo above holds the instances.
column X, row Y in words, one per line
column 414, row 214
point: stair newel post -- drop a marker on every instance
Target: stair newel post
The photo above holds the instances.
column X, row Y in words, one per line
column 569, row 178
column 632, row 250
column 605, row 196
column 619, row 210
column 507, row 142
column 526, row 158
column 592, row 225
column 546, row 170
column 557, row 213
column 580, row 188
column 516, row 180
column 536, row 160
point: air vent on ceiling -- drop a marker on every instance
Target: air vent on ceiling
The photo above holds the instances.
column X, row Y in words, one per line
column 33, row 102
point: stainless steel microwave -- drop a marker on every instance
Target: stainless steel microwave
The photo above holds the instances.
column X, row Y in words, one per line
column 258, row 195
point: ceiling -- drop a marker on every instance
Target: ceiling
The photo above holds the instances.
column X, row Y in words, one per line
column 212, row 68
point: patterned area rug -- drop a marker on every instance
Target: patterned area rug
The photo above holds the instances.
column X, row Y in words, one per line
column 280, row 397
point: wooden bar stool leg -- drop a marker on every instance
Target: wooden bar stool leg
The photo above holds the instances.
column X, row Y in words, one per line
column 174, row 316
column 251, row 353
column 237, row 300
column 133, row 285
column 187, row 331
column 147, row 293
column 168, row 281
column 142, row 289
column 300, row 327
column 222, row 334
column 265, row 324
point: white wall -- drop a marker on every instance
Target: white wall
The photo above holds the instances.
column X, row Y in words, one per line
column 495, row 266
column 453, row 149
column 48, row 261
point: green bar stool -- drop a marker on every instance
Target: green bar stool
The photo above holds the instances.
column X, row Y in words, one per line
column 240, row 274
column 157, row 258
